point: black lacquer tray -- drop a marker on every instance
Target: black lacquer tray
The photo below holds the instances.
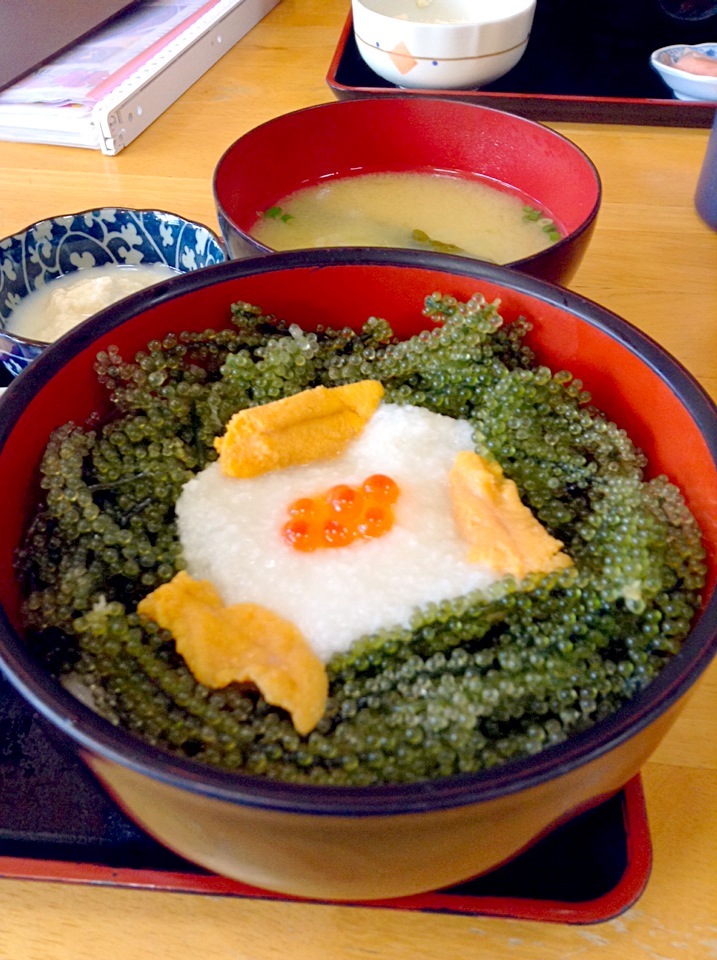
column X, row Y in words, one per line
column 586, row 62
column 57, row 823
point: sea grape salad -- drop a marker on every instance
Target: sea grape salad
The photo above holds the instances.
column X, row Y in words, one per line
column 466, row 683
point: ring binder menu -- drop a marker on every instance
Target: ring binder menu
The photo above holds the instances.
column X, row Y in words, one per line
column 121, row 113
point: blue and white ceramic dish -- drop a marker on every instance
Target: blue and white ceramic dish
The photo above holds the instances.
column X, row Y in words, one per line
column 59, row 245
column 686, row 86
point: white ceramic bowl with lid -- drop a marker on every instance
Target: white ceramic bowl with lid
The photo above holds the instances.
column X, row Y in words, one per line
column 685, row 84
column 442, row 44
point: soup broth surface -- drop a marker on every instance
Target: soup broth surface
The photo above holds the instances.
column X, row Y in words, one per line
column 414, row 210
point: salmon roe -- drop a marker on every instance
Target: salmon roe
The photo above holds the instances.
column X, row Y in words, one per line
column 341, row 515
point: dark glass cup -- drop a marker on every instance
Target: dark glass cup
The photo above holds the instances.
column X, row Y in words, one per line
column 706, row 193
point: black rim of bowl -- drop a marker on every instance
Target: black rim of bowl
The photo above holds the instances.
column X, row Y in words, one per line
column 525, row 264
column 100, row 738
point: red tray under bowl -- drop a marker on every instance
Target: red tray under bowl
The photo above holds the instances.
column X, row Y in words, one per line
column 56, row 823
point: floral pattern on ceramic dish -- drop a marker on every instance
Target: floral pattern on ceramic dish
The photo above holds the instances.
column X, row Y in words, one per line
column 60, row 245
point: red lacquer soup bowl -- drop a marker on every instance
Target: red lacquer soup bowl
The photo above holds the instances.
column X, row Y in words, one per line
column 411, row 135
column 377, row 841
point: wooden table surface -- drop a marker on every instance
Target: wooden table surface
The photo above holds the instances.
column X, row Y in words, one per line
column 653, row 261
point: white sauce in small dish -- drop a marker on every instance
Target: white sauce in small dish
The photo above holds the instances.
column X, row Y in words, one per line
column 50, row 311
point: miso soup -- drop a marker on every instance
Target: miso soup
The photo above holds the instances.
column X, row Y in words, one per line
column 416, row 210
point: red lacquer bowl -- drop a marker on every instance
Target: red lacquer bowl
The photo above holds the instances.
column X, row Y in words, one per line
column 373, row 842
column 403, row 134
